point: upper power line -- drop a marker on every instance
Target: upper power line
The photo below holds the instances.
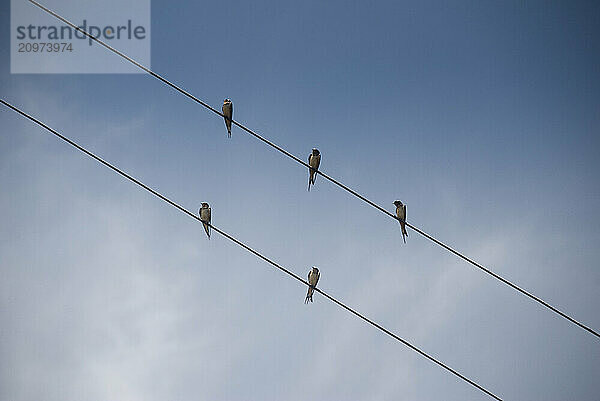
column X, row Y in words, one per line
column 249, row 249
column 331, row 179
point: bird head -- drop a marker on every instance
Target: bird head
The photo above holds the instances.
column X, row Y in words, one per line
column 226, row 101
column 204, row 205
column 315, row 270
column 397, row 203
column 315, row 152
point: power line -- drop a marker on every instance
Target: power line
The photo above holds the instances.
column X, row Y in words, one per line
column 331, row 179
column 249, row 249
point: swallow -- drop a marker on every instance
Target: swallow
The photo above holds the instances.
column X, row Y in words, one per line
column 314, row 159
column 313, row 279
column 227, row 114
column 401, row 214
column 205, row 217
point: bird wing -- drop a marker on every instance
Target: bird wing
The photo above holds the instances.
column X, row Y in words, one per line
column 227, row 110
column 314, row 277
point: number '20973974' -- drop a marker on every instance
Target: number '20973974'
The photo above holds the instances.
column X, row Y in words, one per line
column 35, row 47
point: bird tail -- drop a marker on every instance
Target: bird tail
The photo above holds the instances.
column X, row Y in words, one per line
column 228, row 126
column 309, row 295
column 404, row 233
column 207, row 229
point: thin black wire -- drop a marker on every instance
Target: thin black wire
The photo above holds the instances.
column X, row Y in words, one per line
column 331, row 179
column 246, row 247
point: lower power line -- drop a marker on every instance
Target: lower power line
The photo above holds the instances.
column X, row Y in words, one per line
column 249, row 249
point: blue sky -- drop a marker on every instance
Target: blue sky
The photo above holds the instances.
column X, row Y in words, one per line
column 481, row 116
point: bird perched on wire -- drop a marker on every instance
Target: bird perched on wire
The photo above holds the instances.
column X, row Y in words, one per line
column 228, row 114
column 205, row 217
column 401, row 214
column 314, row 159
column 313, row 279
